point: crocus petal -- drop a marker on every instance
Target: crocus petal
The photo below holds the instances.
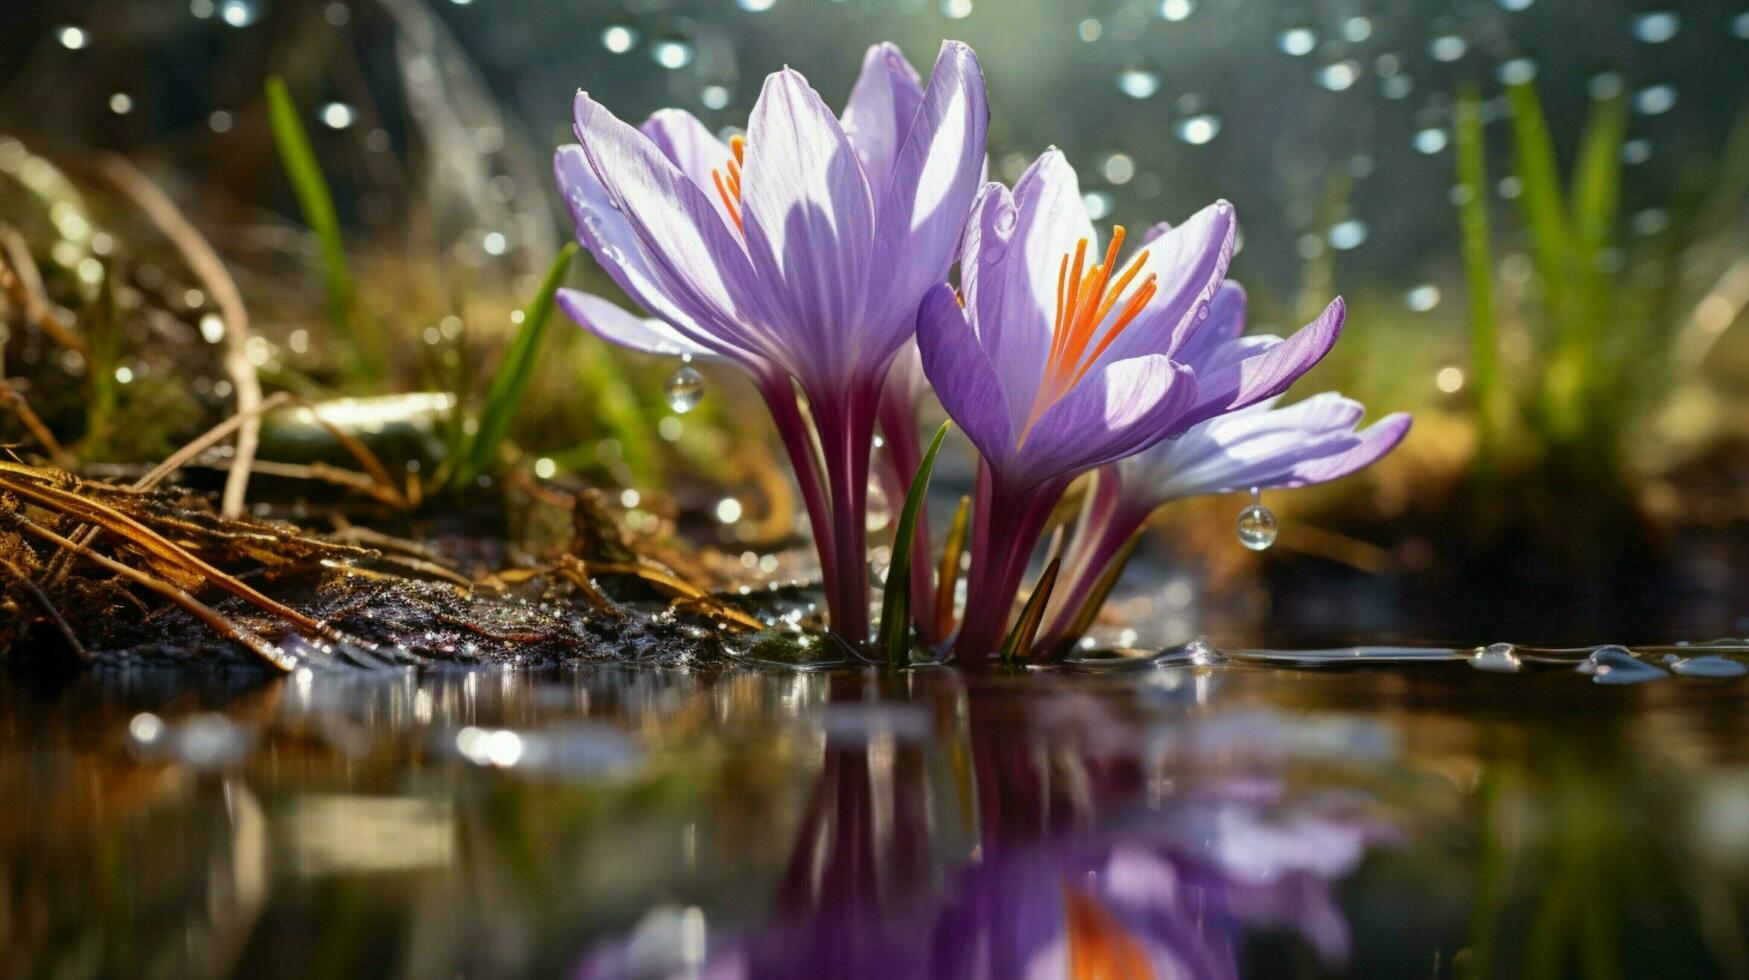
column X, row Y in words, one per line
column 689, row 145
column 696, row 262
column 1116, row 412
column 1259, row 446
column 1226, row 321
column 1188, row 263
column 809, row 223
column 961, row 373
column 878, row 115
column 1014, row 298
column 611, row 323
column 1375, row 441
column 1269, row 373
column 922, row 214
column 603, row 230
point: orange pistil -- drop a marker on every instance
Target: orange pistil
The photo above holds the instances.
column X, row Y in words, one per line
column 1085, row 297
column 729, row 188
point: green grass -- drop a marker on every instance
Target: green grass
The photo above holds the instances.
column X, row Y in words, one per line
column 510, row 384
column 893, row 642
column 316, row 202
column 1478, row 256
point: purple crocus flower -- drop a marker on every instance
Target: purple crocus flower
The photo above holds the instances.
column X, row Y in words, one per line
column 798, row 253
column 1054, row 367
column 1259, row 446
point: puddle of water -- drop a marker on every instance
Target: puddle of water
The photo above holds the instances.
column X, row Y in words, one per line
column 1202, row 812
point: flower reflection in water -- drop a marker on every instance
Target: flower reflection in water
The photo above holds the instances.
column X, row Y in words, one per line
column 1023, row 843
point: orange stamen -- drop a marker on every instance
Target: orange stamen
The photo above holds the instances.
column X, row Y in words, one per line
column 1085, row 298
column 730, row 202
column 729, row 188
column 1068, row 312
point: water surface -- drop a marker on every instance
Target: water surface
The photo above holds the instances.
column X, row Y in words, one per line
column 1357, row 812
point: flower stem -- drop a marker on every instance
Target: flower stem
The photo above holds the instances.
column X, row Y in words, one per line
column 1005, row 531
column 845, row 420
column 792, row 428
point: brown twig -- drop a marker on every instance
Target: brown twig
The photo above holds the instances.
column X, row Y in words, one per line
column 361, row 452
column 32, row 421
column 224, row 627
column 140, row 536
column 57, row 567
column 206, row 265
column 23, row 282
column 49, row 609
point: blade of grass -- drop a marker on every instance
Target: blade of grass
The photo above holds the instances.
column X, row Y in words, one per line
column 1019, row 641
column 316, row 202
column 504, row 396
column 1596, row 203
column 1472, row 176
column 1597, row 174
column 1558, row 261
column 948, row 575
column 1096, row 597
column 893, row 641
column 1542, row 200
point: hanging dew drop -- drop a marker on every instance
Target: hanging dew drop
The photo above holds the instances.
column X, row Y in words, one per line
column 1257, row 525
column 684, row 389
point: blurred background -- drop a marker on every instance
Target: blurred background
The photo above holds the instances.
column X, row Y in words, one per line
column 1535, row 209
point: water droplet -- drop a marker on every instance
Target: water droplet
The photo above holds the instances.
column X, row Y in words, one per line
column 1006, row 219
column 1655, row 99
column 1497, row 658
column 1297, row 41
column 1615, row 665
column 671, row 53
column 237, row 13
column 1740, row 26
column 338, row 115
column 1656, row 26
column 1345, row 235
column 1605, row 85
column 1636, row 151
column 1422, row 298
column 1176, row 10
column 1448, row 47
column 1708, row 666
column 1257, row 527
column 1430, row 140
column 1119, row 168
column 1651, row 221
column 1339, row 76
column 684, row 389
column 757, row 6
column 1138, row 83
column 1517, row 71
column 1198, row 129
column 1097, row 203
column 72, row 38
column 619, row 38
